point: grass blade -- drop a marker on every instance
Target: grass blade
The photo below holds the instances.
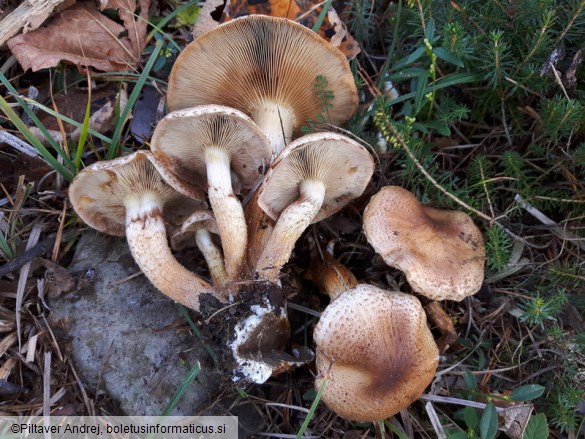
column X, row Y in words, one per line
column 66, row 119
column 66, row 159
column 195, row 329
column 114, row 145
column 181, row 390
column 30, row 138
column 311, row 413
column 84, row 129
column 322, row 15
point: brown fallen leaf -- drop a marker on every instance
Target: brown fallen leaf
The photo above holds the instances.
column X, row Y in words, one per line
column 305, row 12
column 83, row 36
column 513, row 420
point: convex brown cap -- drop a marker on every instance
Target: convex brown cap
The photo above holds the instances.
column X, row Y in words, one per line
column 314, row 177
column 441, row 252
column 128, row 196
column 268, row 68
column 206, row 144
column 375, row 351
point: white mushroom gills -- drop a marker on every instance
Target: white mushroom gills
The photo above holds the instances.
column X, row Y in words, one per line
column 290, row 225
column 229, row 213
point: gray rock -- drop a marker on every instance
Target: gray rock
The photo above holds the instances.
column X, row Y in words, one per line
column 122, row 335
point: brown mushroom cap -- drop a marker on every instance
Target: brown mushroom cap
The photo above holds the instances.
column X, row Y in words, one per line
column 441, row 252
column 266, row 67
column 210, row 143
column 376, row 352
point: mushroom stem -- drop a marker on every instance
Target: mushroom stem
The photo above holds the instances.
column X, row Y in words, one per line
column 146, row 235
column 213, row 257
column 227, row 209
column 277, row 123
column 331, row 276
column 290, row 225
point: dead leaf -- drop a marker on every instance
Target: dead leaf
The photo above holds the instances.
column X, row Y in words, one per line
column 513, row 420
column 60, row 280
column 206, row 20
column 305, row 12
column 82, row 35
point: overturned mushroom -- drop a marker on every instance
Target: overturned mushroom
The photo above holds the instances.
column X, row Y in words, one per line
column 314, row 177
column 201, row 223
column 375, row 352
column 266, row 67
column 128, row 196
column 441, row 252
column 210, row 142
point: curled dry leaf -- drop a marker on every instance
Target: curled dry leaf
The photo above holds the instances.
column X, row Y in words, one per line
column 82, row 35
column 305, row 12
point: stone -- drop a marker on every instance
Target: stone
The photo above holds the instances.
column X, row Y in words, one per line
column 128, row 337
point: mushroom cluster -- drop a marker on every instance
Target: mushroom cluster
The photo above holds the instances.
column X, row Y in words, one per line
column 238, row 97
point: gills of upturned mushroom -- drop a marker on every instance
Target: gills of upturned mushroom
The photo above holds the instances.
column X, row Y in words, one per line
column 128, row 196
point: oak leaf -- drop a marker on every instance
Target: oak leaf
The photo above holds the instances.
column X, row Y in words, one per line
column 84, row 36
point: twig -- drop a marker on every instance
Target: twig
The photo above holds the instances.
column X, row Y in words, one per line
column 19, row 145
column 458, row 401
column 33, row 239
column 429, row 177
column 555, row 228
column 34, row 252
column 435, row 420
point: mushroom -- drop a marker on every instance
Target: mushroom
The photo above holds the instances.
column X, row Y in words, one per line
column 268, row 68
column 128, row 196
column 209, row 142
column 202, row 224
column 375, row 352
column 313, row 177
column 441, row 252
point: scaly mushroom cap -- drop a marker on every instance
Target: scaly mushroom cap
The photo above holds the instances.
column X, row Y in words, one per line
column 441, row 252
column 184, row 135
column 97, row 192
column 344, row 166
column 266, row 67
column 376, row 351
